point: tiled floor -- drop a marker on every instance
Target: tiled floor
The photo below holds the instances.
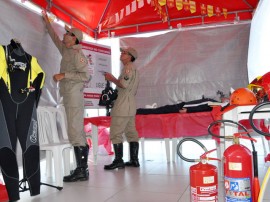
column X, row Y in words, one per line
column 156, row 180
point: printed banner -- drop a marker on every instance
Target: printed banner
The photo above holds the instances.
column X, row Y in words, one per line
column 99, row 60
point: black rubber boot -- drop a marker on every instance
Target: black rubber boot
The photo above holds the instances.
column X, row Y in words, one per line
column 81, row 173
column 118, row 161
column 134, row 150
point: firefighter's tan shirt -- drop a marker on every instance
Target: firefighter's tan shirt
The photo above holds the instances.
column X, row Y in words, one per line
column 75, row 66
column 125, row 104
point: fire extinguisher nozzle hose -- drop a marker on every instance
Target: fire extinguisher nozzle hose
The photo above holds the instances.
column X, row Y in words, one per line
column 192, row 140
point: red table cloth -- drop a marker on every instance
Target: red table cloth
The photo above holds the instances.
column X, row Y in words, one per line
column 165, row 125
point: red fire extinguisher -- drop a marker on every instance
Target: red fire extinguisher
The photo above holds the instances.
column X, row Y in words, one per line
column 238, row 172
column 3, row 192
column 203, row 176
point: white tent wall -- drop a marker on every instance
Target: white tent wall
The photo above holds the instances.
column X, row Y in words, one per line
column 186, row 65
column 180, row 65
column 28, row 27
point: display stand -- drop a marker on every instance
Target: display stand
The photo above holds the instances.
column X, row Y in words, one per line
column 237, row 114
column 23, row 185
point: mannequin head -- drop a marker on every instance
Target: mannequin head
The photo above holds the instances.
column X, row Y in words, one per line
column 16, row 47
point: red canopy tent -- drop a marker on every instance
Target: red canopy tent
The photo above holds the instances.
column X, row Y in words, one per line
column 106, row 18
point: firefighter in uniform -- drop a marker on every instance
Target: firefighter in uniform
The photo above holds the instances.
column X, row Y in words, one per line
column 124, row 111
column 73, row 73
column 21, row 80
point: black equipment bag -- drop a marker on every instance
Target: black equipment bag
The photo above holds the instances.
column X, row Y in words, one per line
column 108, row 96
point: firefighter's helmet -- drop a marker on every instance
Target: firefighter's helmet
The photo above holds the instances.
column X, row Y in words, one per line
column 265, row 83
column 243, row 96
column 261, row 87
column 256, row 87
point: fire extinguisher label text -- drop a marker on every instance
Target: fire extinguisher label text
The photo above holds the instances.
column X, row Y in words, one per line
column 202, row 193
column 208, row 180
column 235, row 166
column 211, row 188
column 237, row 189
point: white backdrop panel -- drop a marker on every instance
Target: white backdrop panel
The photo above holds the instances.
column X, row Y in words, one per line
column 186, row 65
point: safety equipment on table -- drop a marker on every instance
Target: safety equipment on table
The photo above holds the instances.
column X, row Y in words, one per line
column 261, row 87
column 203, row 176
column 265, row 83
column 243, row 96
column 257, row 88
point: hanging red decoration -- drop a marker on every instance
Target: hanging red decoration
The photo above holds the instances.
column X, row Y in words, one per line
column 170, row 3
column 225, row 12
column 218, row 11
column 210, row 10
column 179, row 4
column 192, row 5
column 186, row 5
column 203, row 9
column 158, row 8
column 162, row 2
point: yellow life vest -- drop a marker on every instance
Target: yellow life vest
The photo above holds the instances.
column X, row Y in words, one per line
column 35, row 70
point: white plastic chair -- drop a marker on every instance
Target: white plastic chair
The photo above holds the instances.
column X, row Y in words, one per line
column 50, row 143
column 61, row 122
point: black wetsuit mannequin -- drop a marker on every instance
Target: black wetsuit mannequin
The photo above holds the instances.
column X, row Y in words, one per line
column 18, row 121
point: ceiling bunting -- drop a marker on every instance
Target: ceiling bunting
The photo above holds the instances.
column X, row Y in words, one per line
column 203, row 9
column 119, row 16
column 170, row 3
column 225, row 12
column 140, row 3
column 192, row 6
column 210, row 10
column 179, row 4
column 162, row 14
column 218, row 12
column 162, row 2
column 133, row 6
column 186, row 5
column 164, row 17
column 128, row 10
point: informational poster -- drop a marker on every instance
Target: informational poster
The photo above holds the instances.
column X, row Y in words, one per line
column 99, row 60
